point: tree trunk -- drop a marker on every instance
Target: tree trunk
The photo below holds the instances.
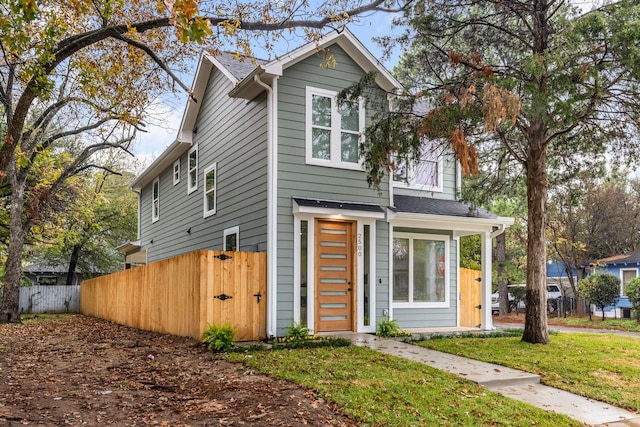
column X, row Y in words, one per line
column 10, row 308
column 503, row 291
column 535, row 326
column 73, row 263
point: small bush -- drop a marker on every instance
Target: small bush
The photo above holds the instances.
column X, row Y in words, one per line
column 389, row 328
column 297, row 331
column 633, row 292
column 600, row 290
column 219, row 338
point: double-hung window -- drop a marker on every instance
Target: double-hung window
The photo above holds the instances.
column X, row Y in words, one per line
column 420, row 270
column 210, row 190
column 155, row 200
column 426, row 174
column 192, row 164
column 332, row 132
column 231, row 238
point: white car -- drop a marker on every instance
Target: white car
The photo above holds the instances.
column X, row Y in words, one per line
column 553, row 293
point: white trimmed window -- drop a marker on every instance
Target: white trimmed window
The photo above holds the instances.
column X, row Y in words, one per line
column 231, row 239
column 420, row 270
column 155, row 200
column 210, row 190
column 176, row 172
column 426, row 175
column 192, row 164
column 626, row 275
column 332, row 132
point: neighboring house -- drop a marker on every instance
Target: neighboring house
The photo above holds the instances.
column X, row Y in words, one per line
column 39, row 274
column 557, row 275
column 625, row 267
column 266, row 160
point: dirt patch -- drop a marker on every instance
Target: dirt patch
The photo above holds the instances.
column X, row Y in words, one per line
column 84, row 371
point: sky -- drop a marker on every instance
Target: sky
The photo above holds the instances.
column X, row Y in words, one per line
column 166, row 114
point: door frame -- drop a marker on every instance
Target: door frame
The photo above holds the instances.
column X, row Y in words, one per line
column 360, row 221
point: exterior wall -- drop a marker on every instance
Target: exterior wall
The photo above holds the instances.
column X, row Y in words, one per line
column 296, row 178
column 433, row 317
column 233, row 134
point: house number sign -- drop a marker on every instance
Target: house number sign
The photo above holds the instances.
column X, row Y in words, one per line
column 359, row 244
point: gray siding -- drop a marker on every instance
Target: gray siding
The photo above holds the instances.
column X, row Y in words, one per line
column 232, row 134
column 433, row 317
column 296, row 178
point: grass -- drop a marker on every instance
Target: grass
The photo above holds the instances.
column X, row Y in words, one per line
column 380, row 390
column 628, row 325
column 40, row 317
column 603, row 367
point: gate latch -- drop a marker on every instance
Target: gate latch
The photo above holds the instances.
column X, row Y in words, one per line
column 259, row 296
column 479, row 306
column 223, row 297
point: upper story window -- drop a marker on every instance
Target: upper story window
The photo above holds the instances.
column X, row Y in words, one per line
column 210, row 190
column 332, row 132
column 192, row 164
column 426, row 175
column 176, row 172
column 155, row 202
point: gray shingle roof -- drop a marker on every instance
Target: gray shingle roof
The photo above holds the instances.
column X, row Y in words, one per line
column 425, row 205
column 629, row 257
column 332, row 204
column 241, row 67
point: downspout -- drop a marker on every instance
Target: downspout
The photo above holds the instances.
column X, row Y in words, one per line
column 499, row 231
column 272, row 204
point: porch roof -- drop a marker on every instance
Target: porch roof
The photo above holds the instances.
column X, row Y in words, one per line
column 429, row 206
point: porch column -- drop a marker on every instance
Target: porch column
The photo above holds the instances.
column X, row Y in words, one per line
column 486, row 247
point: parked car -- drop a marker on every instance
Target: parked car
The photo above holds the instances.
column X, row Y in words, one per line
column 553, row 293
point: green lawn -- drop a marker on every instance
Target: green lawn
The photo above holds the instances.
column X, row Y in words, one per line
column 380, row 390
column 602, row 367
column 597, row 323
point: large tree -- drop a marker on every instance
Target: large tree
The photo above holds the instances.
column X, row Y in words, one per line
column 88, row 68
column 531, row 81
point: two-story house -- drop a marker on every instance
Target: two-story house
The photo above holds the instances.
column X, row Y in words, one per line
column 266, row 160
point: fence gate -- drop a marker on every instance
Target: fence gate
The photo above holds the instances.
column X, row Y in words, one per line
column 470, row 298
column 238, row 294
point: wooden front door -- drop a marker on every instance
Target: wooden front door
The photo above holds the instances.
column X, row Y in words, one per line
column 334, row 276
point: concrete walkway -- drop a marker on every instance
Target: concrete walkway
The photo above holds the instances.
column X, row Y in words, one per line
column 506, row 381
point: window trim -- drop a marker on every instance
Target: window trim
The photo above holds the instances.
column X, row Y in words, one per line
column 622, row 270
column 410, row 181
column 155, row 214
column 336, row 129
column 208, row 213
column 228, row 232
column 191, row 188
column 447, row 271
column 176, row 172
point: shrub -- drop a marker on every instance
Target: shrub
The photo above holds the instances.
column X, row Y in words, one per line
column 219, row 338
column 297, row 332
column 600, row 290
column 389, row 328
column 633, row 292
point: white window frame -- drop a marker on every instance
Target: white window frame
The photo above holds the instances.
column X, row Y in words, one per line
column 228, row 232
column 176, row 172
column 447, row 268
column 411, row 183
column 336, row 130
column 192, row 171
column 622, row 270
column 155, row 214
column 209, row 212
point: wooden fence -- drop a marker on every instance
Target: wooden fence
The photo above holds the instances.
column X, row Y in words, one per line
column 470, row 298
column 184, row 294
column 49, row 299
